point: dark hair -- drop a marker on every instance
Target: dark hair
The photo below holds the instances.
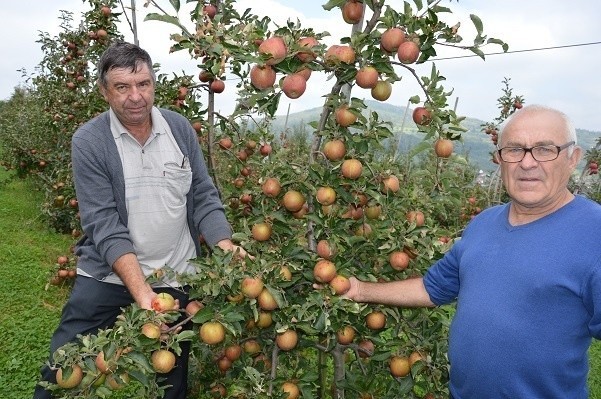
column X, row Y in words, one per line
column 122, row 55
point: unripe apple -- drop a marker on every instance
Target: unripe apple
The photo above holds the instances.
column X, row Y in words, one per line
column 382, row 90
column 373, row 211
column 262, row 76
column 233, row 352
column 225, row 143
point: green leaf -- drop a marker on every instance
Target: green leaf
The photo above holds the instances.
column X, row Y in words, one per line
column 163, row 18
column 477, row 51
column 477, row 23
column 175, row 4
column 186, row 335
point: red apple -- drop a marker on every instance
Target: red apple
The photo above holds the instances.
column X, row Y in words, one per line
column 443, row 148
column 334, row 150
column 294, row 85
column 422, row 116
column 262, row 76
column 344, row 117
column 163, row 302
column 367, row 77
column 275, row 48
column 391, row 39
column 351, row 169
column 324, row 271
column 408, row 52
column 217, row 86
column 326, row 195
column 271, row 187
column 352, row 11
column 305, row 54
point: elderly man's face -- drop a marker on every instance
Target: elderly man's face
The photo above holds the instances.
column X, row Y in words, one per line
column 130, row 94
column 530, row 183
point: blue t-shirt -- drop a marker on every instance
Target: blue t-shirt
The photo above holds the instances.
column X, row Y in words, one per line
column 528, row 303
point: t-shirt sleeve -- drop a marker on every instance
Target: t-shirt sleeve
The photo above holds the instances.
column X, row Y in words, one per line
column 442, row 279
column 592, row 300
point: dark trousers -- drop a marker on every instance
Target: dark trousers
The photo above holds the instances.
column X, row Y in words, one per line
column 94, row 305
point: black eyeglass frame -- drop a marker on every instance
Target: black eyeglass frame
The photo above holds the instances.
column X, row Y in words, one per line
column 529, row 150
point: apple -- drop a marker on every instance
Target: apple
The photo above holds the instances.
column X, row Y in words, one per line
column 116, row 382
column 340, row 284
column 293, row 200
column 262, row 76
column 68, row 381
column 182, row 92
column 324, row 271
column 305, row 54
column 285, row 273
column 251, row 287
column 218, row 391
column 415, row 357
column 261, row 231
column 336, row 54
column 344, row 117
column 391, row 39
column 375, row 320
column 443, row 148
column 382, row 90
column 351, row 168
column 103, row 365
column 326, row 195
column 225, row 143
column 390, row 184
column 233, row 352
column 416, row 217
column 326, row 250
column 399, row 260
column 291, row 389
column 197, row 126
column 364, row 230
column 366, row 348
column 399, row 366
column 217, row 86
column 266, row 301
column 163, row 302
column 106, row 11
column 367, row 77
column 287, row 340
column 408, row 52
column 271, row 187
column 212, row 333
column 334, row 150
column 373, row 211
column 294, row 85
column 352, row 12
column 275, row 48
column 205, row 76
column 101, row 33
column 265, row 319
column 62, row 260
column 422, row 116
column 251, row 346
column 305, row 73
column 193, row 307
column 345, row 335
column 151, row 330
column 163, row 361
column 265, row 150
column 210, row 10
column 224, row 364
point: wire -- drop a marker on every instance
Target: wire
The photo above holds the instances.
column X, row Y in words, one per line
column 520, row 51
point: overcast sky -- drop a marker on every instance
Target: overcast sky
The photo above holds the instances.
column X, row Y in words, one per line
column 566, row 76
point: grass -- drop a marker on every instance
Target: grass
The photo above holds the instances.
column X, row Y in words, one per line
column 30, row 312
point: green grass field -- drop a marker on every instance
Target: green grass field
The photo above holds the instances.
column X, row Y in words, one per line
column 30, row 312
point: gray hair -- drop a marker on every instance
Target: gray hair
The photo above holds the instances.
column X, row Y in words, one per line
column 123, row 55
column 535, row 108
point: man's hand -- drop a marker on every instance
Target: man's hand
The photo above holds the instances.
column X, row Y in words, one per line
column 228, row 245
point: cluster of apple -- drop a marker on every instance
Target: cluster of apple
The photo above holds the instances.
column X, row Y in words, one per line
column 64, row 272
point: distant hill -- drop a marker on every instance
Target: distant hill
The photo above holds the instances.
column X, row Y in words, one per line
column 476, row 145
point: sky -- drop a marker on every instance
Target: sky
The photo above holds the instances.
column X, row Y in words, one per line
column 564, row 73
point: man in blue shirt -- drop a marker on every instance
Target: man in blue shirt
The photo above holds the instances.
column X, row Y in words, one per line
column 526, row 275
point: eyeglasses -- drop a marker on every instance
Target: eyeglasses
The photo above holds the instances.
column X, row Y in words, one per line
column 540, row 153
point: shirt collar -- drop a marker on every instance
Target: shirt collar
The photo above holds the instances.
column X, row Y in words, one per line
column 159, row 124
